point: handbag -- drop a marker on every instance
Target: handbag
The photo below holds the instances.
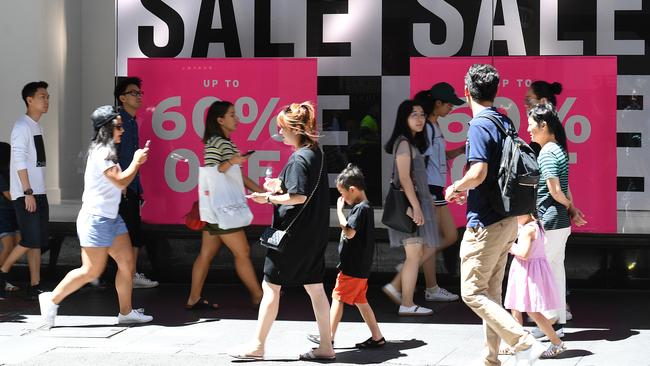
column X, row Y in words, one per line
column 276, row 239
column 397, row 204
column 193, row 218
column 221, row 197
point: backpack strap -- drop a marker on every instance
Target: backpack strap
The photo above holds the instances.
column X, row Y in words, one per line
column 511, row 129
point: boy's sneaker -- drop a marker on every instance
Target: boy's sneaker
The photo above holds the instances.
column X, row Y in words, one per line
column 554, row 350
column 439, row 294
column 134, row 317
column 48, row 309
column 529, row 356
column 392, row 293
column 140, row 281
column 538, row 334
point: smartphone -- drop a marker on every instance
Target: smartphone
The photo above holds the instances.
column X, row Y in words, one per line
column 248, row 153
column 146, row 144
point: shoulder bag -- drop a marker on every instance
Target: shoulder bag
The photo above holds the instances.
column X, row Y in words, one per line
column 397, row 203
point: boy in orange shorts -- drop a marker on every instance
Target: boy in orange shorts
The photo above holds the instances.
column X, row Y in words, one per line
column 356, row 250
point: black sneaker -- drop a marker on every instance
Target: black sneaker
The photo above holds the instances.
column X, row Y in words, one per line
column 33, row 292
column 3, row 283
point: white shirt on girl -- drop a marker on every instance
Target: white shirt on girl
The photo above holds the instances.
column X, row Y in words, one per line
column 101, row 197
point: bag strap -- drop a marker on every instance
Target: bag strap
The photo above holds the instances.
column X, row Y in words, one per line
column 392, row 177
column 320, row 173
column 500, row 126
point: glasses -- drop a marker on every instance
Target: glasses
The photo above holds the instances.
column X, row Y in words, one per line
column 134, row 93
column 119, row 126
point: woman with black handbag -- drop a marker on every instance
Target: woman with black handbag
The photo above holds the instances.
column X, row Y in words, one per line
column 407, row 143
column 300, row 197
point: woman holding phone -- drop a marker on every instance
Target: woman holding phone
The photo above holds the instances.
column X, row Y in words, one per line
column 101, row 230
column 220, row 152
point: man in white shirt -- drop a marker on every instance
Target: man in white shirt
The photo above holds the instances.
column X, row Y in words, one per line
column 27, row 186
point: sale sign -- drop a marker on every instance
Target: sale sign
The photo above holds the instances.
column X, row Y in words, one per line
column 586, row 107
column 177, row 94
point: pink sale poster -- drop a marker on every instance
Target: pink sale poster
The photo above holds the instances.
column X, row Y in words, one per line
column 177, row 93
column 586, row 107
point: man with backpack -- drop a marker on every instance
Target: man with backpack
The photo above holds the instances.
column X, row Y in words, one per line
column 491, row 229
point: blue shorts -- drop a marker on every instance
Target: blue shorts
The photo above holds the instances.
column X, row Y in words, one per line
column 8, row 223
column 97, row 231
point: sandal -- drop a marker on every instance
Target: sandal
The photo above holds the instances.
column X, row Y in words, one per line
column 371, row 343
column 246, row 356
column 311, row 356
column 11, row 288
column 202, row 304
column 315, row 338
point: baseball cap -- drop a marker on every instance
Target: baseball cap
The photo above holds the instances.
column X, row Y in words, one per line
column 445, row 92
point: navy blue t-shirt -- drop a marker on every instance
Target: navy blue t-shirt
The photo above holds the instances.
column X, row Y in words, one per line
column 484, row 144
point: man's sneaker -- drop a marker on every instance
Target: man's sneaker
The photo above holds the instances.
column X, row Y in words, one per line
column 392, row 293
column 554, row 350
column 48, row 309
column 538, row 334
column 439, row 294
column 140, row 281
column 134, row 317
column 569, row 315
column 33, row 292
column 529, row 356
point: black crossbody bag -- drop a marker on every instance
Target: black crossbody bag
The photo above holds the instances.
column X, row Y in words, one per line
column 276, row 239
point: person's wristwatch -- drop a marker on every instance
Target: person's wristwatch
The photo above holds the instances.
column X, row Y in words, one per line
column 28, row 192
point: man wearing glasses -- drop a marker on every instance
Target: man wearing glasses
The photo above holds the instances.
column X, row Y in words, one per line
column 129, row 99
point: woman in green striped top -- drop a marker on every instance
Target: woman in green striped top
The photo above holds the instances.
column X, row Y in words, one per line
column 220, row 122
column 554, row 203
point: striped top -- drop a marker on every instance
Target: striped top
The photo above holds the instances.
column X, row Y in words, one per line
column 218, row 150
column 553, row 163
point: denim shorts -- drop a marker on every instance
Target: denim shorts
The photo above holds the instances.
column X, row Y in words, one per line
column 97, row 231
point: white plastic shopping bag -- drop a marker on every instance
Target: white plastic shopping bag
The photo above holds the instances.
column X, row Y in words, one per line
column 222, row 198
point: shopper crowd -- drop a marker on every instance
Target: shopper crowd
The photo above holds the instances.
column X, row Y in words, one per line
column 109, row 223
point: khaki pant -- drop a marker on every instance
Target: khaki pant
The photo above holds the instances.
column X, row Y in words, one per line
column 483, row 253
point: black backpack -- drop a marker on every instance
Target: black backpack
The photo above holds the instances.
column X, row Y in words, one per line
column 514, row 190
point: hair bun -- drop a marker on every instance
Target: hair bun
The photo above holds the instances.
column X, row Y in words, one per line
column 556, row 88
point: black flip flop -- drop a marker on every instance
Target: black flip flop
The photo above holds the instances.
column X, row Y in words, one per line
column 202, row 304
column 371, row 343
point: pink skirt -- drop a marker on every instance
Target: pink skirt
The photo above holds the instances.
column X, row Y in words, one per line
column 531, row 286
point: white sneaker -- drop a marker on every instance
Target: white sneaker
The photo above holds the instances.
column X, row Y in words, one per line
column 538, row 334
column 414, row 310
column 140, row 281
column 439, row 294
column 392, row 293
column 134, row 317
column 48, row 309
column 529, row 356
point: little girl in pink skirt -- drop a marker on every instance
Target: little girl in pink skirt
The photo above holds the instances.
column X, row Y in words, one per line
column 531, row 286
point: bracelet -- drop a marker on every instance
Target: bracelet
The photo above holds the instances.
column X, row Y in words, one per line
column 268, row 199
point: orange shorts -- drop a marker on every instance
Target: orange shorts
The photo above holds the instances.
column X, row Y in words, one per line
column 350, row 290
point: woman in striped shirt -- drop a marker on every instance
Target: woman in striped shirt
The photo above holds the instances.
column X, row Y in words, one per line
column 554, row 202
column 220, row 122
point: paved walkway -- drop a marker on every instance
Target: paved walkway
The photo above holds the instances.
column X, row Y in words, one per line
column 611, row 328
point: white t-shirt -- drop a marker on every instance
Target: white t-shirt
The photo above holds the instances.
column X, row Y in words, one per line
column 27, row 152
column 437, row 156
column 101, row 197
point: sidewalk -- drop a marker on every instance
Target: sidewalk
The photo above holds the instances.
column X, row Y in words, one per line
column 610, row 328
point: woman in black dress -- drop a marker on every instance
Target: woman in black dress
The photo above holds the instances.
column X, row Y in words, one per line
column 302, row 263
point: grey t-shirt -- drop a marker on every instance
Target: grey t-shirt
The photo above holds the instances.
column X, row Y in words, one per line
column 436, row 156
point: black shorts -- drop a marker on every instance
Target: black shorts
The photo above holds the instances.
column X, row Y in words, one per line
column 33, row 225
column 130, row 212
column 438, row 194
